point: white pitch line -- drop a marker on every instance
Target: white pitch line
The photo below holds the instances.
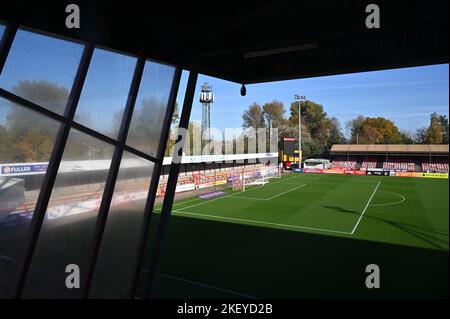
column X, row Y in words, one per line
column 293, row 189
column 234, row 194
column 195, row 283
column 393, row 203
column 365, row 208
column 252, row 198
column 207, row 201
column 263, row 223
column 188, row 201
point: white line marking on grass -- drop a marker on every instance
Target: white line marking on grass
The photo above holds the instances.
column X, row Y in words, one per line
column 195, row 283
column 365, row 208
column 229, row 195
column 253, row 198
column 261, row 222
column 176, row 204
column 207, row 201
column 393, row 203
column 188, row 201
column 293, row 189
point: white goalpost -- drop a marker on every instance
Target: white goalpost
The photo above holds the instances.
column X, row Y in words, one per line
column 255, row 177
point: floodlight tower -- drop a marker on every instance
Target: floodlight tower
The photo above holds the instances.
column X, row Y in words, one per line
column 206, row 98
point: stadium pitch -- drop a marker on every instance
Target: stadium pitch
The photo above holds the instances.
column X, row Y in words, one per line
column 311, row 236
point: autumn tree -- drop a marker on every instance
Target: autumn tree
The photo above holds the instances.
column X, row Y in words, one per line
column 354, row 127
column 253, row 117
column 435, row 132
column 444, row 124
column 29, row 136
column 374, row 130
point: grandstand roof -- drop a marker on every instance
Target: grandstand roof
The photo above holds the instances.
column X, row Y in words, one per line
column 389, row 148
column 255, row 41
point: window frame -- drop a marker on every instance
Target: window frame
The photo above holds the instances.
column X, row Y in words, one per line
column 67, row 123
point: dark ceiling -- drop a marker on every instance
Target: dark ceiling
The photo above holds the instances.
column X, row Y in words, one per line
column 230, row 39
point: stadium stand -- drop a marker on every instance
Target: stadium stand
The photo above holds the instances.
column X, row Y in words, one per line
column 435, row 167
column 370, row 162
column 400, row 157
column 400, row 163
column 344, row 162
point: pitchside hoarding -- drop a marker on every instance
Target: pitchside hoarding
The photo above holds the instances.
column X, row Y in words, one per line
column 377, row 172
column 23, row 169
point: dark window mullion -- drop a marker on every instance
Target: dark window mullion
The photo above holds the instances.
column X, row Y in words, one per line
column 37, row 108
column 6, row 42
column 33, row 232
column 155, row 179
column 170, row 189
column 112, row 176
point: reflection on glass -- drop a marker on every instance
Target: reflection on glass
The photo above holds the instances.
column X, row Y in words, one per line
column 67, row 231
column 26, row 142
column 41, row 69
column 151, row 106
column 105, row 92
column 114, row 269
column 2, row 30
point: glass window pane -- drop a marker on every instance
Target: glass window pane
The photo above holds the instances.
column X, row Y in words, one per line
column 105, row 92
column 114, row 269
column 2, row 30
column 41, row 69
column 67, row 232
column 151, row 106
column 27, row 139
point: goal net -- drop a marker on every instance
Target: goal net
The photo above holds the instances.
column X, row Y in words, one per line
column 258, row 177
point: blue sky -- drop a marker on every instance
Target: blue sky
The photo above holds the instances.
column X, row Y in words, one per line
column 405, row 96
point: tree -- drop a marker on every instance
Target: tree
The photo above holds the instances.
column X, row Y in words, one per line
column 253, row 117
column 355, row 128
column 335, row 135
column 146, row 125
column 435, row 132
column 44, row 93
column 408, row 137
column 273, row 112
column 374, row 130
column 316, row 128
column 421, row 136
column 444, row 124
column 28, row 136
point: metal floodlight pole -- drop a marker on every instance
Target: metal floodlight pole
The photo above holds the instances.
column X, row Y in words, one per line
column 300, row 99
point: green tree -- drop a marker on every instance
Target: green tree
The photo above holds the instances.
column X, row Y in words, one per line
column 335, row 135
column 316, row 128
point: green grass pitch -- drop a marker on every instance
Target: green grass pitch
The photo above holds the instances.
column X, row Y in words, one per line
column 311, row 236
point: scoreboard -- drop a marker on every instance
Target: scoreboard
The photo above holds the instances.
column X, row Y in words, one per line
column 289, row 146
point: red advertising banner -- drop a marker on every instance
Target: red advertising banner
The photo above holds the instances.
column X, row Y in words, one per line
column 408, row 174
column 333, row 171
column 311, row 170
column 354, row 172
